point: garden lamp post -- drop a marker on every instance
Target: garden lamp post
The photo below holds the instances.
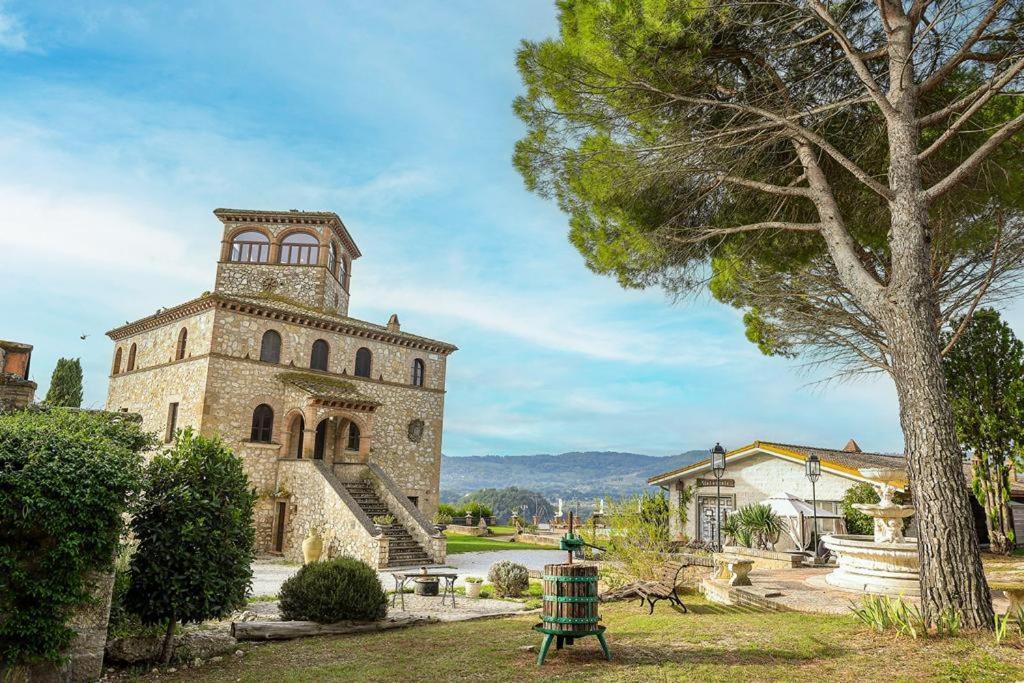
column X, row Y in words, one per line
column 813, row 471
column 718, row 467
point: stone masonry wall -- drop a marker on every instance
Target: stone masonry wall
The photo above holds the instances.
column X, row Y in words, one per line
column 236, row 387
column 158, row 380
column 312, row 285
column 313, row 502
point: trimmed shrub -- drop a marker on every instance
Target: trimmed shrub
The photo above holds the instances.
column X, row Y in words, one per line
column 337, row 590
column 66, row 479
column 509, row 579
column 195, row 533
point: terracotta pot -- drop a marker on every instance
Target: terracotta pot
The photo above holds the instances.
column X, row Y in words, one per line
column 312, row 547
column 473, row 590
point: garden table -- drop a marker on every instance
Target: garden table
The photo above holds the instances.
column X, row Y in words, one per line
column 402, row 577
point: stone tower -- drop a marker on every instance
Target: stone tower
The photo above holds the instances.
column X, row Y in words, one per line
column 302, row 256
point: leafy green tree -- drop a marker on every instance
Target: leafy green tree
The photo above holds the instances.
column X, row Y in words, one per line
column 847, row 174
column 511, row 499
column 856, row 521
column 195, row 535
column 66, row 384
column 985, row 375
column 638, row 534
column 66, row 480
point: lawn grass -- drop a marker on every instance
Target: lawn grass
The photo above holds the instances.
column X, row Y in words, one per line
column 711, row 643
column 502, row 530
column 464, row 543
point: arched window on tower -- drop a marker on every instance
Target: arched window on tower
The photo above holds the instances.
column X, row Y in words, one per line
column 179, row 350
column 364, row 362
column 353, row 437
column 300, row 248
column 418, row 371
column 116, row 370
column 262, row 423
column 318, row 359
column 270, row 348
column 131, row 358
column 332, row 259
column 250, row 247
column 345, row 273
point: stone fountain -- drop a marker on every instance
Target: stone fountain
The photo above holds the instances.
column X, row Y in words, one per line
column 887, row 562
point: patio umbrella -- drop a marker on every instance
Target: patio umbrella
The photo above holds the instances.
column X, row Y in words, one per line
column 791, row 507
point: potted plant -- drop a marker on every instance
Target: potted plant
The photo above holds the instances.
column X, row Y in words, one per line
column 473, row 586
column 313, row 544
column 442, row 520
column 381, row 521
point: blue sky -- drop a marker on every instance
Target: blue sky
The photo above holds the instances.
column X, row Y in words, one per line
column 122, row 126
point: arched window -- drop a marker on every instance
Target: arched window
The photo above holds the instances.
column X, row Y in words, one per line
column 364, row 362
column 418, row 370
column 117, row 362
column 298, row 434
column 131, row 358
column 270, row 348
column 332, row 259
column 344, row 274
column 320, row 443
column 353, row 437
column 179, row 351
column 300, row 248
column 262, row 423
column 318, row 359
column 250, row 247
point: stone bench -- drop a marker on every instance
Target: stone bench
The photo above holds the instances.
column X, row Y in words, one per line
column 733, row 569
column 1014, row 590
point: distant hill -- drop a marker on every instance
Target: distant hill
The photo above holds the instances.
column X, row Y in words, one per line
column 567, row 475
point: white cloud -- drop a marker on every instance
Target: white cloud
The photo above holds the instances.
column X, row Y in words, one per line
column 12, row 34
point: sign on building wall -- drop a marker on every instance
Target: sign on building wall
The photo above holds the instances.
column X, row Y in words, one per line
column 727, row 483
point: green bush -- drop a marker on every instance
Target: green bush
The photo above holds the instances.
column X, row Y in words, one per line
column 195, row 534
column 448, row 509
column 856, row 521
column 509, row 579
column 337, row 590
column 66, row 479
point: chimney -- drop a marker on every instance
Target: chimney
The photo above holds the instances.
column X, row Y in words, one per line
column 393, row 324
column 852, row 447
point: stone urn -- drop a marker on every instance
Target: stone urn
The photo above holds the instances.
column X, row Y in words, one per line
column 473, row 589
column 427, row 586
column 312, row 546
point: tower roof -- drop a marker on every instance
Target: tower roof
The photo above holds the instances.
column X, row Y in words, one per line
column 293, row 216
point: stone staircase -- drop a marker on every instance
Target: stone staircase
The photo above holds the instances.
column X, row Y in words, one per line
column 403, row 550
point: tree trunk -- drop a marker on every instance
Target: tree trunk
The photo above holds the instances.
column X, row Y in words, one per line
column 952, row 577
column 168, row 648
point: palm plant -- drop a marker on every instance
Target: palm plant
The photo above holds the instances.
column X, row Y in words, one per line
column 761, row 523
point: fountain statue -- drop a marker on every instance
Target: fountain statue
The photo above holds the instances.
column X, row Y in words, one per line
column 887, row 562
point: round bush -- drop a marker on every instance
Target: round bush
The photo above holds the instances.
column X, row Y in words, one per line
column 509, row 579
column 335, row 590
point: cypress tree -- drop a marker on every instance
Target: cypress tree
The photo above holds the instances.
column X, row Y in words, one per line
column 66, row 384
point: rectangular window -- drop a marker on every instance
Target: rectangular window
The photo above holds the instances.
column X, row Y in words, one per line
column 172, row 422
column 415, row 500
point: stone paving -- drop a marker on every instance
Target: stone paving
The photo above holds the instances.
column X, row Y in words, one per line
column 804, row 589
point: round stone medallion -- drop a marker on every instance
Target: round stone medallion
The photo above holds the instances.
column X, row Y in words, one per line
column 416, row 430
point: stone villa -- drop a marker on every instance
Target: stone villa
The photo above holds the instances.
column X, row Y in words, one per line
column 337, row 420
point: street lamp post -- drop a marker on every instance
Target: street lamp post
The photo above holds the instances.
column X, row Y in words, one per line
column 718, row 467
column 813, row 471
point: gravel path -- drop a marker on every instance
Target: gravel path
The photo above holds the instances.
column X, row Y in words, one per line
column 268, row 575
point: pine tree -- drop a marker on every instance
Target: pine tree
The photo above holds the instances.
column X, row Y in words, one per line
column 66, row 384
